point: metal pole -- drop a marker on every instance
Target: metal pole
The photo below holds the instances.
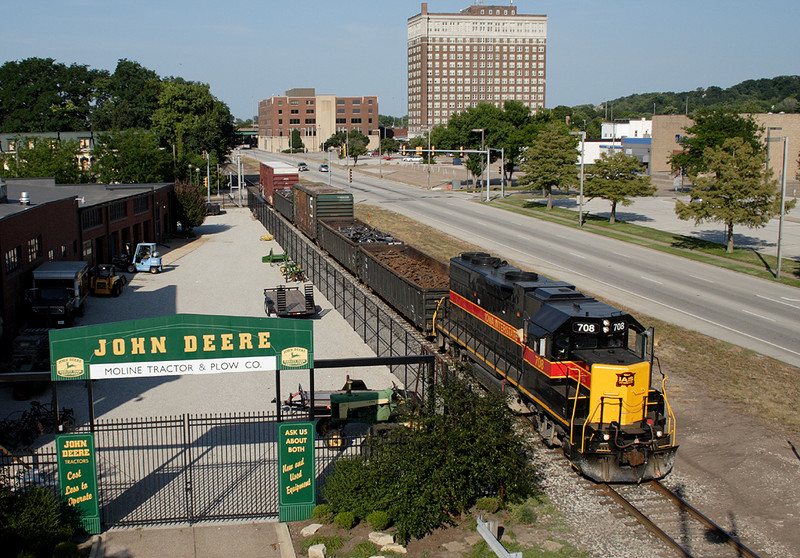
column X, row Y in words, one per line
column 208, row 175
column 502, row 172
column 783, row 202
column 580, row 196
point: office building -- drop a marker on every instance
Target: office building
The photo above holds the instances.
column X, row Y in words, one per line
column 483, row 54
column 316, row 117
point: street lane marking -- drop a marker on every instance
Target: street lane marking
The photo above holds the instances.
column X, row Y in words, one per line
column 779, row 301
column 577, row 255
column 651, row 280
column 758, row 315
column 622, row 255
column 702, row 278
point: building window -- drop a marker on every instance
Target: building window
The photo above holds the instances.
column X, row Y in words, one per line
column 356, row 101
column 341, row 120
column 339, row 101
column 355, row 121
column 34, row 249
column 91, row 218
column 118, row 210
column 141, row 205
column 12, row 260
column 294, row 102
column 294, row 121
column 51, row 255
column 310, row 102
column 295, row 111
column 87, row 250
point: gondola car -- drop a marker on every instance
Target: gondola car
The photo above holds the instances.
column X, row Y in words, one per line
column 583, row 368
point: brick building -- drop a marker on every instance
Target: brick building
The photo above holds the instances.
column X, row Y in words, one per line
column 42, row 221
column 483, row 54
column 668, row 127
column 317, row 117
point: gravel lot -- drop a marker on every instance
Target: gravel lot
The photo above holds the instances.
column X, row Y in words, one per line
column 218, row 273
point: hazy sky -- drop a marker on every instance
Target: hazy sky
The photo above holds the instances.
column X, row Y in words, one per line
column 249, row 50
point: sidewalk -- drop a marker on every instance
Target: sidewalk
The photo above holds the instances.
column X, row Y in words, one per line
column 243, row 540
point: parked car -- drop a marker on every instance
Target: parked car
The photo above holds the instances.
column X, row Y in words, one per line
column 302, row 167
column 323, row 168
column 412, row 159
column 387, row 157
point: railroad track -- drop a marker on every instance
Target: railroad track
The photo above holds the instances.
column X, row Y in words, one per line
column 676, row 522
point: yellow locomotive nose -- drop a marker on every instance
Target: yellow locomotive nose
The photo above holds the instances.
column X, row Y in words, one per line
column 618, row 393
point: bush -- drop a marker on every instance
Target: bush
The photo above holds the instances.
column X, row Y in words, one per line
column 322, row 513
column 489, row 505
column 33, row 522
column 429, row 475
column 346, row 520
column 67, row 549
column 378, row 520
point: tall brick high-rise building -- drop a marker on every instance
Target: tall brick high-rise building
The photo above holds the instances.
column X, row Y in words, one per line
column 483, row 54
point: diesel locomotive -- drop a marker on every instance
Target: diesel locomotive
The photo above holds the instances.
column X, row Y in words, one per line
column 583, row 368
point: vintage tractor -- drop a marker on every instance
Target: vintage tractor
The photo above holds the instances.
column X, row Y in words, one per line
column 104, row 280
column 354, row 403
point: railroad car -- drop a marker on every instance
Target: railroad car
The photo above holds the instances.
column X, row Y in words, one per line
column 583, row 368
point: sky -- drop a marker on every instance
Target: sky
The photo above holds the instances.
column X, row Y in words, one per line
column 250, row 50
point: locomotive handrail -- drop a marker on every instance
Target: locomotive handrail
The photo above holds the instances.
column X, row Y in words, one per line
column 435, row 313
column 672, row 425
column 572, row 367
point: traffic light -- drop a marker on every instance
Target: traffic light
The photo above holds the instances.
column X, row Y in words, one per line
column 419, row 150
column 344, row 150
column 403, row 148
column 205, row 181
column 350, row 175
column 461, row 150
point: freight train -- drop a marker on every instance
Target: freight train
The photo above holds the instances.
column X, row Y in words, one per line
column 583, row 368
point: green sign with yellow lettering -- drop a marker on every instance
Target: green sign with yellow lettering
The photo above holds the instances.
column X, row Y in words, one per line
column 297, row 477
column 180, row 344
column 77, row 477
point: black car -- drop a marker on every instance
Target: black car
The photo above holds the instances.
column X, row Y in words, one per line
column 302, row 167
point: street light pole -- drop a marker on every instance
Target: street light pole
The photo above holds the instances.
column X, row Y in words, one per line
column 582, row 134
column 783, row 202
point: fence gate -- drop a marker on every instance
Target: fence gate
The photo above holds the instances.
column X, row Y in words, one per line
column 187, row 469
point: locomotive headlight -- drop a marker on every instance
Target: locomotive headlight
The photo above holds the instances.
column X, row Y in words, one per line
column 606, row 329
column 659, row 434
column 606, row 323
column 606, row 437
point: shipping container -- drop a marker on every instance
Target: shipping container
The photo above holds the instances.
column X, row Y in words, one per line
column 342, row 237
column 316, row 202
column 275, row 176
column 409, row 280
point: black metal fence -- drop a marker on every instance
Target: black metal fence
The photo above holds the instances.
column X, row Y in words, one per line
column 181, row 469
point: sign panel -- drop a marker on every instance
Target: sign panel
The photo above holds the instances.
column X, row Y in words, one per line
column 178, row 345
column 297, row 480
column 77, row 477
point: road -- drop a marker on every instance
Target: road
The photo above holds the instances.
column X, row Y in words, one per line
column 753, row 313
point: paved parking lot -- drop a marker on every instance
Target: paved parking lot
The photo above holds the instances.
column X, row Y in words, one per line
column 220, row 273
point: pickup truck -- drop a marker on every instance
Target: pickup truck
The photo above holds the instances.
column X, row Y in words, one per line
column 59, row 292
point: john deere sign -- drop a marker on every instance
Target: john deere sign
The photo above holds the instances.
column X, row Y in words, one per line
column 179, row 345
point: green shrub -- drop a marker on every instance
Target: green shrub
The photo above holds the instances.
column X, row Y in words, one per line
column 33, row 522
column 332, row 543
column 378, row 520
column 66, row 549
column 489, row 505
column 346, row 520
column 364, row 549
column 322, row 513
column 523, row 513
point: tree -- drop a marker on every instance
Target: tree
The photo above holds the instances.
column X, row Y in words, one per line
column 190, row 120
column 425, row 476
column 356, row 143
column 710, row 129
column 131, row 157
column 127, row 98
column 38, row 157
column 192, row 206
column 40, row 95
column 736, row 190
column 295, row 142
column 616, row 178
column 550, row 160
column 389, row 145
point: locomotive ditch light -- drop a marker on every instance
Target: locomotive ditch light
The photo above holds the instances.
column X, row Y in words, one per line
column 659, row 433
